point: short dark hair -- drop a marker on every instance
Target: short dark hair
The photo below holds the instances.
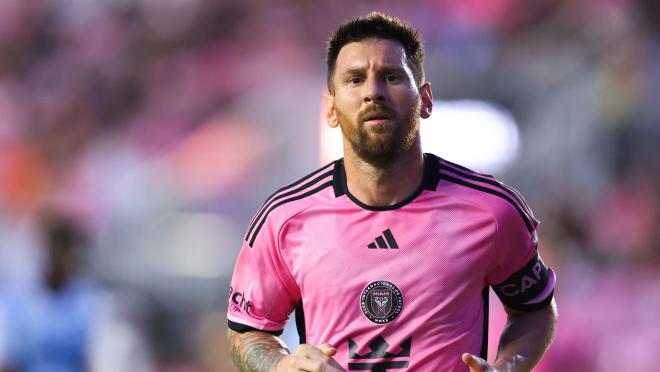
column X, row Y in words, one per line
column 376, row 25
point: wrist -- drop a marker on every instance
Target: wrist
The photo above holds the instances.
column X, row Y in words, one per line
column 282, row 363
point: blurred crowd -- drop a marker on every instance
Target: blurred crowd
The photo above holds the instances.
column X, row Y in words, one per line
column 137, row 138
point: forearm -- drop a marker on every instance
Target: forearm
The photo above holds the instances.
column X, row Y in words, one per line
column 525, row 338
column 256, row 351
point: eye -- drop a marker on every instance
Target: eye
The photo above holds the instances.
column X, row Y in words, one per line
column 355, row 80
column 392, row 78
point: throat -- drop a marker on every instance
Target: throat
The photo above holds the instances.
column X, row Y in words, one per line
column 383, row 187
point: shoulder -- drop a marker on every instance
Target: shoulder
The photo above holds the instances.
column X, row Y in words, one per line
column 486, row 191
column 292, row 199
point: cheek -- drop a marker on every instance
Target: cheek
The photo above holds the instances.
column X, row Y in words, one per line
column 347, row 108
column 405, row 102
column 343, row 119
column 347, row 99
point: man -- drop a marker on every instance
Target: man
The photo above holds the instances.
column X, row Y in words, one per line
column 387, row 254
column 48, row 326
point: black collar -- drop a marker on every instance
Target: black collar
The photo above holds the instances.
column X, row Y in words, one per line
column 429, row 182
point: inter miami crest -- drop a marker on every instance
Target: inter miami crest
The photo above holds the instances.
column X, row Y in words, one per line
column 381, row 301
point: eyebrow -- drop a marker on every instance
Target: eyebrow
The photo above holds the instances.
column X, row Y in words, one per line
column 386, row 68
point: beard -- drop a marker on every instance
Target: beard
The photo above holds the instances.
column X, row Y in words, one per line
column 381, row 145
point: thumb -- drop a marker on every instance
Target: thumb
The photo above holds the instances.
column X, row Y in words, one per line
column 327, row 349
column 475, row 363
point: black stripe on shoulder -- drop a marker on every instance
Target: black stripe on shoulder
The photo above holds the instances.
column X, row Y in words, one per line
column 462, row 167
column 520, row 199
column 492, row 192
column 509, row 190
column 293, row 190
column 242, row 328
column 297, row 197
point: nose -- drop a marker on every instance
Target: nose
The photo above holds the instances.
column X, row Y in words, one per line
column 374, row 91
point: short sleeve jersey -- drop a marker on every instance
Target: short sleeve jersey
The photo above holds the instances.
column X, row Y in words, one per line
column 402, row 287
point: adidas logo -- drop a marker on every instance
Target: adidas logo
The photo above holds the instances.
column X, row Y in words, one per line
column 381, row 241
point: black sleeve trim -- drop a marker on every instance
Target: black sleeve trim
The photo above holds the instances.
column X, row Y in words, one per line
column 242, row 328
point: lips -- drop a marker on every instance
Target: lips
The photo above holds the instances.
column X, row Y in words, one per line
column 376, row 116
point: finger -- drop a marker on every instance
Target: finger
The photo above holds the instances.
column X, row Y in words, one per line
column 308, row 365
column 315, row 363
column 327, row 349
column 475, row 363
column 311, row 352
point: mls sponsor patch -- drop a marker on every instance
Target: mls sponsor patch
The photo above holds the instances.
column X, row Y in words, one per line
column 381, row 301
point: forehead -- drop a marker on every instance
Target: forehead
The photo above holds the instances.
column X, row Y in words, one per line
column 371, row 52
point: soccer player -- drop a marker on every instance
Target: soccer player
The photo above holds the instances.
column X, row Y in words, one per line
column 387, row 254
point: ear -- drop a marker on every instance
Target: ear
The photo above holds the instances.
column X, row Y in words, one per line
column 330, row 114
column 427, row 100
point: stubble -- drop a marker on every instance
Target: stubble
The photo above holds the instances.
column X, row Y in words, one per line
column 381, row 146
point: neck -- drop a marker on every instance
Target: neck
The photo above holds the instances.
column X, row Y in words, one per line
column 376, row 186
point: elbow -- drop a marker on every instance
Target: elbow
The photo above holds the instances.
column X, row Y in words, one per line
column 552, row 317
column 554, row 313
column 233, row 338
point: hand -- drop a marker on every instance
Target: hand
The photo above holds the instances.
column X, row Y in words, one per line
column 311, row 359
column 477, row 364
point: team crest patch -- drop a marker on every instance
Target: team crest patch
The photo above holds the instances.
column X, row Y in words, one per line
column 381, row 301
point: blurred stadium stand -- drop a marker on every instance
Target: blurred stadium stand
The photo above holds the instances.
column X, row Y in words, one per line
column 159, row 126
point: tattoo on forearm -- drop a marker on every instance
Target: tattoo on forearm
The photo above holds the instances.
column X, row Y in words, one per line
column 256, row 352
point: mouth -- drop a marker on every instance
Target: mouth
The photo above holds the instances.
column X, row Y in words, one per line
column 377, row 118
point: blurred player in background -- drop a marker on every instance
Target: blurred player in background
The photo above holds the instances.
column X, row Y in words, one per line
column 387, row 254
column 47, row 327
column 66, row 322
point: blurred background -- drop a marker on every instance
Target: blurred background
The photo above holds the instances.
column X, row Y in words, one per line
column 138, row 137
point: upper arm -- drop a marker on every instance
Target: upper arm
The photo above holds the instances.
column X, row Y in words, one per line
column 262, row 293
column 518, row 274
column 255, row 350
column 236, row 339
column 550, row 309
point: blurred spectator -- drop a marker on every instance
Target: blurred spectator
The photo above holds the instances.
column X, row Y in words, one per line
column 53, row 325
column 47, row 326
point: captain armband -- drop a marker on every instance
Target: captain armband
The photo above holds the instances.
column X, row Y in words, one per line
column 528, row 289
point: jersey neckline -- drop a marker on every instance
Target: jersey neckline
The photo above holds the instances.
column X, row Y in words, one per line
column 430, row 178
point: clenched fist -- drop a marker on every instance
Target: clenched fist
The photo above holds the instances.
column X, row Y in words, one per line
column 310, row 358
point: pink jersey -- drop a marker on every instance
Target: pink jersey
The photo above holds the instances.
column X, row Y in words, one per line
column 394, row 288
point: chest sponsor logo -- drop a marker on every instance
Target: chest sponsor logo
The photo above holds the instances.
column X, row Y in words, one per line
column 378, row 350
column 381, row 301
